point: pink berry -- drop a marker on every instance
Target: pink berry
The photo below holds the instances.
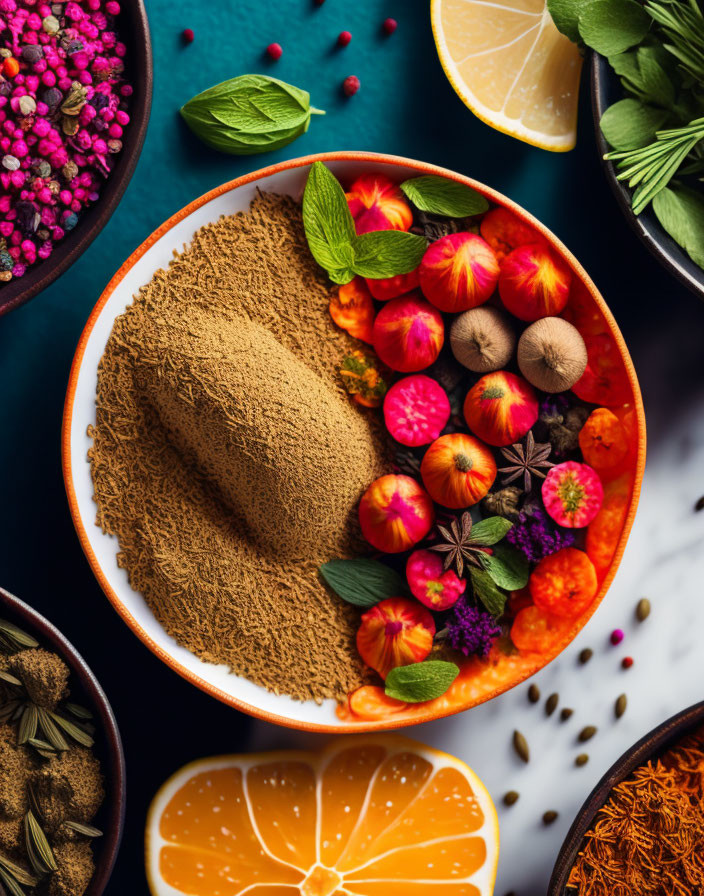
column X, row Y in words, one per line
column 389, row 26
column 627, row 662
column 343, row 38
column 188, row 35
column 616, row 636
column 274, row 51
column 351, row 85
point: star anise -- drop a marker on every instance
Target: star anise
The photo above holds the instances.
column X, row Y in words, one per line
column 457, row 544
column 527, row 460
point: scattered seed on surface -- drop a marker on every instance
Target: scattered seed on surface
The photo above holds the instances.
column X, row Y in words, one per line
column 511, row 797
column 388, row 27
column 551, row 704
column 565, row 713
column 642, row 609
column 534, row 693
column 699, row 505
column 587, row 733
column 549, row 817
column 585, row 655
column 620, row 706
column 582, row 759
column 188, row 35
column 520, row 745
column 274, row 51
column 343, row 38
column 627, row 662
column 616, row 636
column 351, row 85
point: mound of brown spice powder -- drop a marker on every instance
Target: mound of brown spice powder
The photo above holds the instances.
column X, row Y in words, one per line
column 648, row 839
column 228, row 459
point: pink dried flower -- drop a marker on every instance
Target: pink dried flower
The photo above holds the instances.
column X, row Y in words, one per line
column 572, row 494
column 437, row 589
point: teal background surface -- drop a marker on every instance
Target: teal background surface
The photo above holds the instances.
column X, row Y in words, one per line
column 405, row 106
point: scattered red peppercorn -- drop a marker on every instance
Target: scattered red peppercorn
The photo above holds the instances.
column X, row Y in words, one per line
column 616, row 636
column 274, row 51
column 10, row 67
column 389, row 26
column 343, row 38
column 351, row 85
column 627, row 662
column 188, row 35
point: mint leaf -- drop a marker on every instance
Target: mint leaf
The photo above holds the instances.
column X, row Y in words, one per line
column 420, row 682
column 612, row 26
column 681, row 213
column 565, row 14
column 657, row 84
column 507, row 567
column 486, row 592
column 385, row 253
column 489, row 531
column 363, row 582
column 249, row 114
column 442, row 196
column 328, row 223
column 629, row 124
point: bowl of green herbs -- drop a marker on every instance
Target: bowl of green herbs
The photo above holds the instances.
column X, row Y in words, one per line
column 648, row 103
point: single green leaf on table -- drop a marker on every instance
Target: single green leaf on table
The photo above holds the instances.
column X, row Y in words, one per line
column 629, row 124
column 381, row 251
column 490, row 530
column 681, row 213
column 328, row 223
column 249, row 114
column 362, row 581
column 420, row 682
column 612, row 26
column 565, row 14
column 486, row 592
column 442, row 196
column 507, row 567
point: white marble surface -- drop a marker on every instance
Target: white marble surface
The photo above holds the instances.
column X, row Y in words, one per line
column 664, row 561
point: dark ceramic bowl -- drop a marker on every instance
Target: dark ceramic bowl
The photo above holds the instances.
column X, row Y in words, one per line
column 650, row 747
column 108, row 744
column 134, row 31
column 606, row 89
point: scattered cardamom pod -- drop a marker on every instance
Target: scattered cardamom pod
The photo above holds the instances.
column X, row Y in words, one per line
column 585, row 655
column 520, row 745
column 699, row 505
column 511, row 797
column 551, row 704
column 582, row 759
column 549, row 817
column 587, row 733
column 534, row 693
column 620, row 706
column 565, row 713
column 643, row 609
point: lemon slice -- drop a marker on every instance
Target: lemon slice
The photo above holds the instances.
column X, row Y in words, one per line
column 512, row 67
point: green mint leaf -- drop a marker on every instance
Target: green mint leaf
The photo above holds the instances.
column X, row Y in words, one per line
column 507, row 567
column 681, row 213
column 657, row 84
column 442, row 196
column 612, row 26
column 328, row 224
column 385, row 253
column 249, row 114
column 420, row 682
column 629, row 124
column 565, row 14
column 363, row 582
column 486, row 592
column 489, row 531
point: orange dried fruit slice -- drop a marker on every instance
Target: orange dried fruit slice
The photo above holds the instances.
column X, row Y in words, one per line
column 511, row 66
column 367, row 816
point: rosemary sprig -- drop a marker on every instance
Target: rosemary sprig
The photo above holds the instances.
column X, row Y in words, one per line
column 86, row 830
column 683, row 27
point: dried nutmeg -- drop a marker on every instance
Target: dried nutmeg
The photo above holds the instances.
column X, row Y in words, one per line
column 552, row 355
column 482, row 339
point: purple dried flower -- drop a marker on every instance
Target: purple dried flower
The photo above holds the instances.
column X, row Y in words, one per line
column 536, row 536
column 553, row 406
column 471, row 630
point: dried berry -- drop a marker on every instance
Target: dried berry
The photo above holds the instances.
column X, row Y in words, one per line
column 350, row 85
column 343, row 38
column 274, row 51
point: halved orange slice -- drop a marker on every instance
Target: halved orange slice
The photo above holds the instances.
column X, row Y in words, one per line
column 367, row 816
column 511, row 66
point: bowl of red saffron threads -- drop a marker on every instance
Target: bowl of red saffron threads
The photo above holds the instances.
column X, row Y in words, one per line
column 75, row 97
column 671, row 756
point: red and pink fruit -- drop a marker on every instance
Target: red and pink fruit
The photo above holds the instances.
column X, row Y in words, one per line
column 395, row 513
column 352, row 309
column 458, row 470
column 408, row 333
column 395, row 632
column 377, row 203
column 434, row 587
column 416, row 410
column 572, row 494
column 534, row 282
column 458, row 271
column 500, row 408
column 564, row 584
column 392, row 287
column 505, row 231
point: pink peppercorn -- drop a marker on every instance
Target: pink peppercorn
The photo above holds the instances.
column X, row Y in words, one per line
column 351, row 85
column 627, row 662
column 122, row 117
column 389, row 26
column 115, row 131
column 616, row 636
column 112, row 8
column 274, row 51
column 188, row 35
column 343, row 38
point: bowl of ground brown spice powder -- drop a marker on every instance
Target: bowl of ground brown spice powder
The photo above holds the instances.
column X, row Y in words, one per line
column 641, row 830
column 214, row 461
column 62, row 768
